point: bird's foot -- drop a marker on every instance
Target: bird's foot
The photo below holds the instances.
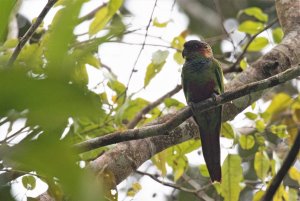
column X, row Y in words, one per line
column 193, row 107
column 214, row 97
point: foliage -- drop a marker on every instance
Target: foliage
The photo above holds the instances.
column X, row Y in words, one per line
column 46, row 107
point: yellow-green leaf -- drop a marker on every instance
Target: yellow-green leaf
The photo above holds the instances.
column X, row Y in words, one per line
column 159, row 160
column 247, row 141
column 243, row 64
column 257, row 13
column 281, row 194
column 279, row 130
column 280, row 102
column 258, row 195
column 293, row 194
column 251, row 115
column 11, row 43
column 100, row 20
column 294, row 174
column 172, row 102
column 261, row 164
column 258, row 44
column 178, row 58
column 203, row 170
column 232, row 175
column 5, row 9
column 251, row 27
column 158, row 60
column 227, row 130
column 277, row 34
column 260, row 125
column 160, row 24
column 104, row 15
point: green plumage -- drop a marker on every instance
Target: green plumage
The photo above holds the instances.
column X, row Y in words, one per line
column 202, row 78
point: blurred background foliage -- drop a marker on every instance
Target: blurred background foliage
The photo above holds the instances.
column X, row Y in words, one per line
column 46, row 105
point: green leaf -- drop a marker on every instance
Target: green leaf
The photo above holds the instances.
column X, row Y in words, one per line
column 258, row 44
column 203, row 170
column 261, row 164
column 172, row 102
column 260, row 125
column 11, row 43
column 158, row 60
column 104, row 15
column 158, row 24
column 5, row 10
column 293, row 194
column 159, row 160
column 277, row 34
column 247, row 141
column 279, row 130
column 258, row 195
column 178, row 41
column 29, row 182
column 251, row 115
column 45, row 109
column 279, row 103
column 232, row 175
column 227, row 130
column 116, row 86
column 251, row 27
column 243, row 64
column 101, row 19
column 178, row 58
column 257, row 13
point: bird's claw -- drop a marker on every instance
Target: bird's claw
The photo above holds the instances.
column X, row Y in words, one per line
column 192, row 105
column 214, row 97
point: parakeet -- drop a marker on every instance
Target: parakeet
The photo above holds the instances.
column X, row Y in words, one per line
column 202, row 78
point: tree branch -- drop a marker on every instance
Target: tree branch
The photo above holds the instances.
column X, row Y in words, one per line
column 185, row 113
column 30, row 31
column 288, row 162
column 181, row 188
column 152, row 105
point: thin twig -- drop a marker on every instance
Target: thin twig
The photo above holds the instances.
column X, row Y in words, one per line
column 250, row 41
column 288, row 162
column 143, row 46
column 30, row 31
column 91, row 14
column 146, row 44
column 181, row 188
column 219, row 10
column 185, row 113
column 196, row 185
column 150, row 106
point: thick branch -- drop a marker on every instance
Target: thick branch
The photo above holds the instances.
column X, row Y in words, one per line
column 184, row 114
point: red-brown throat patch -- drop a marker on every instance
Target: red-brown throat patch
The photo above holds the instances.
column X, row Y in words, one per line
column 207, row 53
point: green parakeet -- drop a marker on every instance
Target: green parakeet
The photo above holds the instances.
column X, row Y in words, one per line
column 202, row 78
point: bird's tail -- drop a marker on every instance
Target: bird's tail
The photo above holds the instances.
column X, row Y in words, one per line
column 211, row 152
column 209, row 123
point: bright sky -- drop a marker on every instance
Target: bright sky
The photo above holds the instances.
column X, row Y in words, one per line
column 121, row 58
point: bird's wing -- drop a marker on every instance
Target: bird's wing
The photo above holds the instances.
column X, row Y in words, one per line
column 219, row 75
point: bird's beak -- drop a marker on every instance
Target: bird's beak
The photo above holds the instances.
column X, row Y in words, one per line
column 183, row 53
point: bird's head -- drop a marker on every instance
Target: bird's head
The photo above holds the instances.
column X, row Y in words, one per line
column 194, row 49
